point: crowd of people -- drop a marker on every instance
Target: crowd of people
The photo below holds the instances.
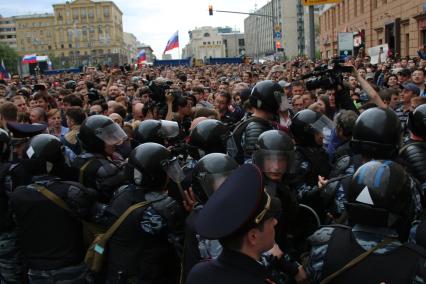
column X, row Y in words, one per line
column 282, row 172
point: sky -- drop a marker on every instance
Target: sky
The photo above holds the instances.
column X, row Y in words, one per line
column 153, row 22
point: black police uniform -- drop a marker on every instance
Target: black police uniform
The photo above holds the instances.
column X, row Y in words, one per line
column 223, row 215
column 96, row 170
column 51, row 237
column 145, row 247
column 142, row 249
column 380, row 205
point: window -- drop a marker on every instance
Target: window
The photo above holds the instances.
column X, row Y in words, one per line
column 49, row 47
column 90, row 13
column 423, row 37
column 241, row 42
column 356, row 7
column 75, row 14
column 83, row 12
column 106, row 12
column 69, row 45
column 206, row 35
column 204, row 43
column 362, row 6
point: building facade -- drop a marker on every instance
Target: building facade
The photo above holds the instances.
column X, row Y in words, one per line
column 8, row 32
column 203, row 43
column 130, row 46
column 234, row 43
column 399, row 23
column 290, row 29
column 82, row 32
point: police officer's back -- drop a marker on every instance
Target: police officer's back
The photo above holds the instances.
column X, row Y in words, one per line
column 380, row 205
column 143, row 249
column 265, row 100
column 413, row 155
column 50, row 236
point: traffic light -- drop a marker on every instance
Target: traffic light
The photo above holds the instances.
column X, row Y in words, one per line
column 210, row 10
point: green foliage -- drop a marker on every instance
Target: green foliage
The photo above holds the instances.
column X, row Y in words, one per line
column 10, row 58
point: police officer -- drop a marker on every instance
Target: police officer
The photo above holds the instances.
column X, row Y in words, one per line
column 275, row 157
column 265, row 100
column 99, row 136
column 145, row 247
column 10, row 268
column 242, row 216
column 376, row 135
column 413, row 155
column 209, row 173
column 50, row 235
column 209, row 136
column 156, row 131
column 308, row 128
column 380, row 204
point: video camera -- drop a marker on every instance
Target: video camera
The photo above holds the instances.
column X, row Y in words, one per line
column 327, row 76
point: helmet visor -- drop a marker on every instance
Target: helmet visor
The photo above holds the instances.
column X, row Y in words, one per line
column 323, row 125
column 112, row 134
column 169, row 129
column 211, row 182
column 271, row 161
column 173, row 170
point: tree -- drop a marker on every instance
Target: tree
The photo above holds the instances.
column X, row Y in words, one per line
column 10, row 58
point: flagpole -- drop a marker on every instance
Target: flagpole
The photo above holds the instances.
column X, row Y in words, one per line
column 179, row 55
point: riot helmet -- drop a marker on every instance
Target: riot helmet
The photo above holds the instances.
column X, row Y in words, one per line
column 380, row 195
column 308, row 127
column 150, row 164
column 274, row 154
column 377, row 134
column 156, row 131
column 267, row 95
column 46, row 148
column 209, row 173
column 417, row 121
column 4, row 145
column 98, row 131
column 209, row 136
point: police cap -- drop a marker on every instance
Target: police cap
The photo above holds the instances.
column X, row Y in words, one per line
column 239, row 204
column 24, row 130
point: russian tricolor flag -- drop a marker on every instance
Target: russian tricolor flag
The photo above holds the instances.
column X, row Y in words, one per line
column 29, row 58
column 173, row 42
column 141, row 56
column 3, row 71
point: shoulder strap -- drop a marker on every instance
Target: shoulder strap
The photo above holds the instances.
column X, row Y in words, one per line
column 120, row 220
column 52, row 197
column 83, row 168
column 408, row 145
column 355, row 261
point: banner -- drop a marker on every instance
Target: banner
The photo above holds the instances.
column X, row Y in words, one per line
column 346, row 44
column 374, row 53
